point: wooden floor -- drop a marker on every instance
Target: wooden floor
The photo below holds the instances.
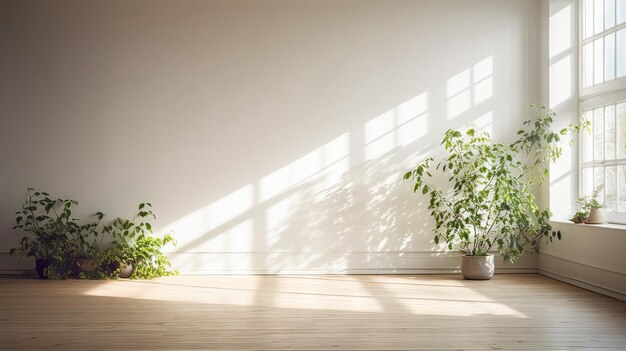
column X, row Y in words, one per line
column 510, row 312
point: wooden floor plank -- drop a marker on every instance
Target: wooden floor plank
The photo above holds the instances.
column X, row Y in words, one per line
column 509, row 312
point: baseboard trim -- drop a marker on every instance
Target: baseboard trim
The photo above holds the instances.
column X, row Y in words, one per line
column 584, row 284
column 241, row 263
column 366, row 271
column 583, row 276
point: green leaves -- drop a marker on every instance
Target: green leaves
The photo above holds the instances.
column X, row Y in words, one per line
column 52, row 233
column 488, row 200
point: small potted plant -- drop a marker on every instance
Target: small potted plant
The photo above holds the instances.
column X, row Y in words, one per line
column 87, row 241
column 135, row 252
column 596, row 209
column 117, row 260
column 580, row 216
column 590, row 209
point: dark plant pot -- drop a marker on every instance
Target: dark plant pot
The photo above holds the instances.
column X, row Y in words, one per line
column 110, row 267
column 40, row 265
column 126, row 270
column 477, row 267
column 85, row 265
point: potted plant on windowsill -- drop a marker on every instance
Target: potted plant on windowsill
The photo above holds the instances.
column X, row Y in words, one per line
column 590, row 209
column 489, row 201
column 596, row 211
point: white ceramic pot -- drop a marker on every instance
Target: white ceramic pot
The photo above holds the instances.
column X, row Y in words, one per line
column 477, row 267
column 596, row 216
column 126, row 270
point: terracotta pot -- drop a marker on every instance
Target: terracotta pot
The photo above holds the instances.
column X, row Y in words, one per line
column 477, row 267
column 85, row 265
column 596, row 216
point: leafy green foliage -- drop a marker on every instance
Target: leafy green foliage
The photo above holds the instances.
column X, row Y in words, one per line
column 489, row 202
column 585, row 204
column 53, row 235
column 134, row 244
column 49, row 228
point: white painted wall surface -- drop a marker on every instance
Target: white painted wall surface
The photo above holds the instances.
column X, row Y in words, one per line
column 270, row 135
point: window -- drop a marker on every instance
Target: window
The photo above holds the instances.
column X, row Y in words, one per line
column 603, row 41
column 603, row 103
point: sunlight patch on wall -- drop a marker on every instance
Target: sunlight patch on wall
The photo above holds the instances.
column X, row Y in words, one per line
column 561, row 185
column 560, row 47
column 412, row 119
column 485, row 123
column 204, row 220
column 562, row 76
column 482, row 80
column 459, row 94
column 560, row 31
column 330, row 157
column 560, row 81
column 237, row 238
column 379, row 135
column 397, row 127
column 469, row 88
column 276, row 217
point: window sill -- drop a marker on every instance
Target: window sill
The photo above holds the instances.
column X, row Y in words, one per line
column 620, row 227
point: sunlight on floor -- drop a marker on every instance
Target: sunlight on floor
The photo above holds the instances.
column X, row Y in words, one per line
column 380, row 294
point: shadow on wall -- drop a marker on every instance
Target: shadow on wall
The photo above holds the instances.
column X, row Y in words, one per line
column 342, row 207
column 365, row 219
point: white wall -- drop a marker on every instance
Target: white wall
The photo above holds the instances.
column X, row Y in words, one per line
column 590, row 256
column 270, row 135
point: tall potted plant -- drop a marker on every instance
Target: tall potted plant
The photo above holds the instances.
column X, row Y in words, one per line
column 489, row 202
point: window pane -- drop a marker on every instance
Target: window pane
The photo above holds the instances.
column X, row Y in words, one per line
column 609, row 132
column 589, row 18
column 588, row 65
column 610, row 189
column 598, row 61
column 621, row 11
column 598, row 182
column 609, row 57
column 621, row 130
column 598, row 16
column 609, row 14
column 588, row 138
column 587, row 181
column 598, row 134
column 621, row 52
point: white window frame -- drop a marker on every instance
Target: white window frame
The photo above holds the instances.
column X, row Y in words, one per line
column 599, row 95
